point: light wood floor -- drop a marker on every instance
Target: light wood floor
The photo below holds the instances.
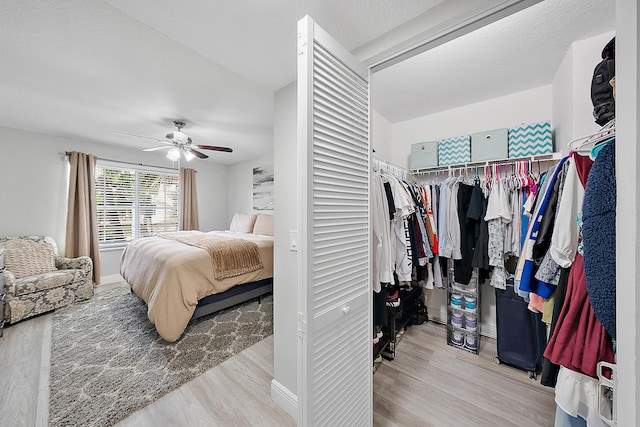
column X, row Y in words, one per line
column 428, row 384
column 237, row 392
column 432, row 384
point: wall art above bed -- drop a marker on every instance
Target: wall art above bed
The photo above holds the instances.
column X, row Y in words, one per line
column 263, row 188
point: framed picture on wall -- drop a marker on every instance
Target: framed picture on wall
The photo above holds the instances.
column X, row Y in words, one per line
column 263, row 188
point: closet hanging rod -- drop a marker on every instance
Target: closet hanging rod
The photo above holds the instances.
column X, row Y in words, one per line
column 386, row 162
column 378, row 163
column 468, row 165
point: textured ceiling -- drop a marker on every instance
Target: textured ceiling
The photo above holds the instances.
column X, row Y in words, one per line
column 519, row 52
column 256, row 38
column 83, row 68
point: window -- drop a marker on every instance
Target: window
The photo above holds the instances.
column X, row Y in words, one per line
column 134, row 202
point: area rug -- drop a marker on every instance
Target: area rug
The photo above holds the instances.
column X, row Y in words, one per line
column 107, row 360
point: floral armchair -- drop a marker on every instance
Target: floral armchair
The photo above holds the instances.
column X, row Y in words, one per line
column 37, row 280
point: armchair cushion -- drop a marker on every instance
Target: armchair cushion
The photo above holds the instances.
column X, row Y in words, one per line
column 42, row 282
column 25, row 257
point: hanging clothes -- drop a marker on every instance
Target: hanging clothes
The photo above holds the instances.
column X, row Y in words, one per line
column 526, row 281
column 550, row 369
column 599, row 235
column 579, row 340
column 566, row 232
column 400, row 231
column 382, row 262
column 497, row 216
column 549, row 270
column 463, row 267
column 444, row 244
column 452, row 239
column 577, row 395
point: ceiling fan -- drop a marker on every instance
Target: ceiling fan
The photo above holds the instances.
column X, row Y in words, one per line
column 179, row 143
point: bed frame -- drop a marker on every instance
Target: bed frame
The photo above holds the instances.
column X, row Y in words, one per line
column 233, row 296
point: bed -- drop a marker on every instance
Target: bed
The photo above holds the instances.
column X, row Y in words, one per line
column 189, row 274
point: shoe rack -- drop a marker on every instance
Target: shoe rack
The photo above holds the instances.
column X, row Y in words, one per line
column 463, row 312
column 400, row 317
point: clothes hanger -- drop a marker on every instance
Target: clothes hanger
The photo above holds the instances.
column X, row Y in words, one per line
column 599, row 146
column 586, row 143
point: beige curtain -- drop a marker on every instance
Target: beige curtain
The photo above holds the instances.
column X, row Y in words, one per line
column 82, row 225
column 188, row 200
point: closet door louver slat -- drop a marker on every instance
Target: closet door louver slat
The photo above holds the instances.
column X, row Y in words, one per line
column 334, row 324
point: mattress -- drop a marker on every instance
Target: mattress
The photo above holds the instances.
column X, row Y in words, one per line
column 171, row 277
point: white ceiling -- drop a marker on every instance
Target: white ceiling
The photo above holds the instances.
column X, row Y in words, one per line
column 519, row 52
column 82, row 68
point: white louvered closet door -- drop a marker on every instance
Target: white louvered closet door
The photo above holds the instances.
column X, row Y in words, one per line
column 334, row 321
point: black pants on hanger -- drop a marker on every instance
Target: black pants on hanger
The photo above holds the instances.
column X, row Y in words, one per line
column 380, row 306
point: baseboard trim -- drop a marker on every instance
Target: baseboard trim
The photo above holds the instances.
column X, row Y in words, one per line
column 284, row 398
column 486, row 329
column 114, row 278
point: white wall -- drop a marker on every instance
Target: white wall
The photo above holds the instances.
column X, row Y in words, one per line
column 241, row 185
column 586, row 55
column 381, row 136
column 285, row 369
column 628, row 196
column 533, row 105
column 34, row 181
column 571, row 88
column 562, row 92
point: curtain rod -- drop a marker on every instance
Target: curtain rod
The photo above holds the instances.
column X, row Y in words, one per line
column 67, row 153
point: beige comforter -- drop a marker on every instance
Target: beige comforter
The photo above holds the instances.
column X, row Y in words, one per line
column 171, row 276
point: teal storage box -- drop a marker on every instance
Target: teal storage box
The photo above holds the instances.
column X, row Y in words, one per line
column 489, row 145
column 530, row 140
column 424, row 155
column 453, row 151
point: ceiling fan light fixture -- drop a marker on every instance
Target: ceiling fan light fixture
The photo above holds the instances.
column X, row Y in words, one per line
column 179, row 137
column 173, row 154
column 188, row 155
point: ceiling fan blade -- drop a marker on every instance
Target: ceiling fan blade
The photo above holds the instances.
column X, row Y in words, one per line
column 214, row 148
column 199, row 154
column 156, row 148
column 139, row 136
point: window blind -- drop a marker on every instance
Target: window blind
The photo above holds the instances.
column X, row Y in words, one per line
column 134, row 202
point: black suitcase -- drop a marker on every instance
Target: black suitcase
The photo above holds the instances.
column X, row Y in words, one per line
column 521, row 333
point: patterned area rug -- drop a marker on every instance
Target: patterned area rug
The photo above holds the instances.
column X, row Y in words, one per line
column 107, row 360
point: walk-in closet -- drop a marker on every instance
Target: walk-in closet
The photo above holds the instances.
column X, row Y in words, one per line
column 493, row 215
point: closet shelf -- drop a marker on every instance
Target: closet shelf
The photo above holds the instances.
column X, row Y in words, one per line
column 537, row 158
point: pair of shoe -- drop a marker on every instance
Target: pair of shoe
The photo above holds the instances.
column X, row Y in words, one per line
column 393, row 299
column 405, row 284
column 470, row 342
column 377, row 334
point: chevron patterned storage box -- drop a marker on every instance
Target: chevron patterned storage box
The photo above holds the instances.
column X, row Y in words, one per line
column 530, row 140
column 452, row 151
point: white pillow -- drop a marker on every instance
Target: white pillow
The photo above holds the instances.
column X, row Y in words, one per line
column 242, row 223
column 264, row 225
